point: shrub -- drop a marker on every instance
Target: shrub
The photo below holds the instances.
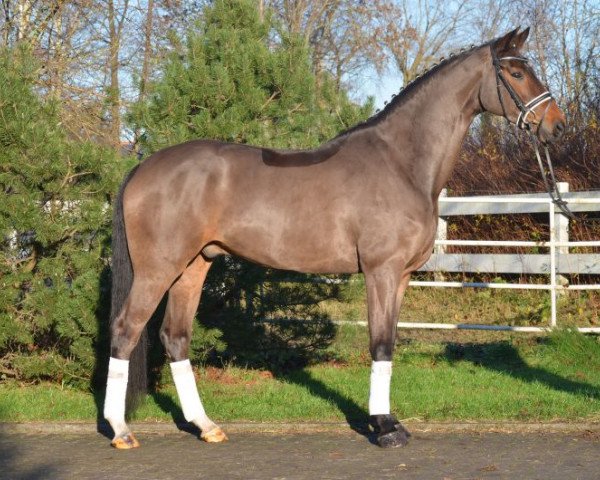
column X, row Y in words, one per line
column 54, row 233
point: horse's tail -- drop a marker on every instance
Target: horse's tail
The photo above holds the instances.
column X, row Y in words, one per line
column 122, row 279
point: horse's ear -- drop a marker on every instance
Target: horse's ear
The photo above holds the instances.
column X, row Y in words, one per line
column 519, row 39
column 507, row 42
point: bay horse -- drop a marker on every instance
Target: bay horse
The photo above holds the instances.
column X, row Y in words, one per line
column 366, row 201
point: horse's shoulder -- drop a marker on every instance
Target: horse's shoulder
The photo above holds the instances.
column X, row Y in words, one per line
column 298, row 158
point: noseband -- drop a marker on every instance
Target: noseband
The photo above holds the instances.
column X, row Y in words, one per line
column 525, row 109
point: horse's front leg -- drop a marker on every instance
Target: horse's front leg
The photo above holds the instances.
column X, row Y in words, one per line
column 385, row 290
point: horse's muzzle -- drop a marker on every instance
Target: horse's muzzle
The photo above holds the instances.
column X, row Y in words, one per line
column 551, row 131
column 559, row 129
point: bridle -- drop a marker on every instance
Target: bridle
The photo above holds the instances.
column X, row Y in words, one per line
column 525, row 110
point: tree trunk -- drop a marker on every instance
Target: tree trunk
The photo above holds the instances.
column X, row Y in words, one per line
column 114, row 91
column 145, row 65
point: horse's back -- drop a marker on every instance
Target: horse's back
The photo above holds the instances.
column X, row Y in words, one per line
column 247, row 202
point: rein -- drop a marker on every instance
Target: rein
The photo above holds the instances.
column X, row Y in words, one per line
column 525, row 109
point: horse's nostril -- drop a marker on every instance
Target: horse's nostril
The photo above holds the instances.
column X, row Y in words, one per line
column 559, row 129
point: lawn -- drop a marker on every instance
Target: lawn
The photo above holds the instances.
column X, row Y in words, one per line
column 438, row 376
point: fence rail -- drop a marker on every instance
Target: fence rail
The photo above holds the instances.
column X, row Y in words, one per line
column 557, row 260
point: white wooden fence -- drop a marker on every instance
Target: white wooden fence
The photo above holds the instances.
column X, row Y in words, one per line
column 557, row 260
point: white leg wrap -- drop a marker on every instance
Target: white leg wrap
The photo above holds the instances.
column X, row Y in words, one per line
column 183, row 376
column 379, row 395
column 116, row 389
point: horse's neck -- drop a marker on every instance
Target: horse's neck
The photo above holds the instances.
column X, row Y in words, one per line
column 427, row 130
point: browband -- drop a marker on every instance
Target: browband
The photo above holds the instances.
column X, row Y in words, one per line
column 520, row 59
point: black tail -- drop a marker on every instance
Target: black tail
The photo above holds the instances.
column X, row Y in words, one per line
column 122, row 279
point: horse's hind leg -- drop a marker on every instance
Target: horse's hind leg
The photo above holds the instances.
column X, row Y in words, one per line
column 144, row 296
column 175, row 334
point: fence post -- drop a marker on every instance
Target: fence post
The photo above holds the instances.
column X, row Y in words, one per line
column 441, row 234
column 561, row 225
column 561, row 222
column 442, row 228
column 553, row 264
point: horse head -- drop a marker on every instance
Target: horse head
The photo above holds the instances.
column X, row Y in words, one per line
column 512, row 89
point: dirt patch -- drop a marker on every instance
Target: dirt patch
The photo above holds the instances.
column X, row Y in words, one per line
column 226, row 376
column 221, row 376
column 333, row 363
column 593, row 435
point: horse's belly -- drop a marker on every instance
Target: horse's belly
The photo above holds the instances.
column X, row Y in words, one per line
column 309, row 251
column 314, row 264
column 317, row 261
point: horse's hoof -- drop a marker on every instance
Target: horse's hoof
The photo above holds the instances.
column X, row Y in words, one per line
column 395, row 438
column 216, row 435
column 389, row 431
column 126, row 442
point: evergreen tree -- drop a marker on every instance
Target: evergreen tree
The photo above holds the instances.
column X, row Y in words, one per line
column 238, row 78
column 54, row 229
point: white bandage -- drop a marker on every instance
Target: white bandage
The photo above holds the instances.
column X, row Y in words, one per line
column 183, row 376
column 116, row 389
column 379, row 395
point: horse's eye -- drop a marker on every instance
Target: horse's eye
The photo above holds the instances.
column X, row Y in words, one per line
column 517, row 75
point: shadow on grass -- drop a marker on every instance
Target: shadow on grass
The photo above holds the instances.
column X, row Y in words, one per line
column 355, row 415
column 503, row 357
column 167, row 405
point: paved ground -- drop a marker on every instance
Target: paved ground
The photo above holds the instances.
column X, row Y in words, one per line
column 325, row 455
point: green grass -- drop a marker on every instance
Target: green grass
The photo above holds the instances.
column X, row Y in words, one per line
column 437, row 377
